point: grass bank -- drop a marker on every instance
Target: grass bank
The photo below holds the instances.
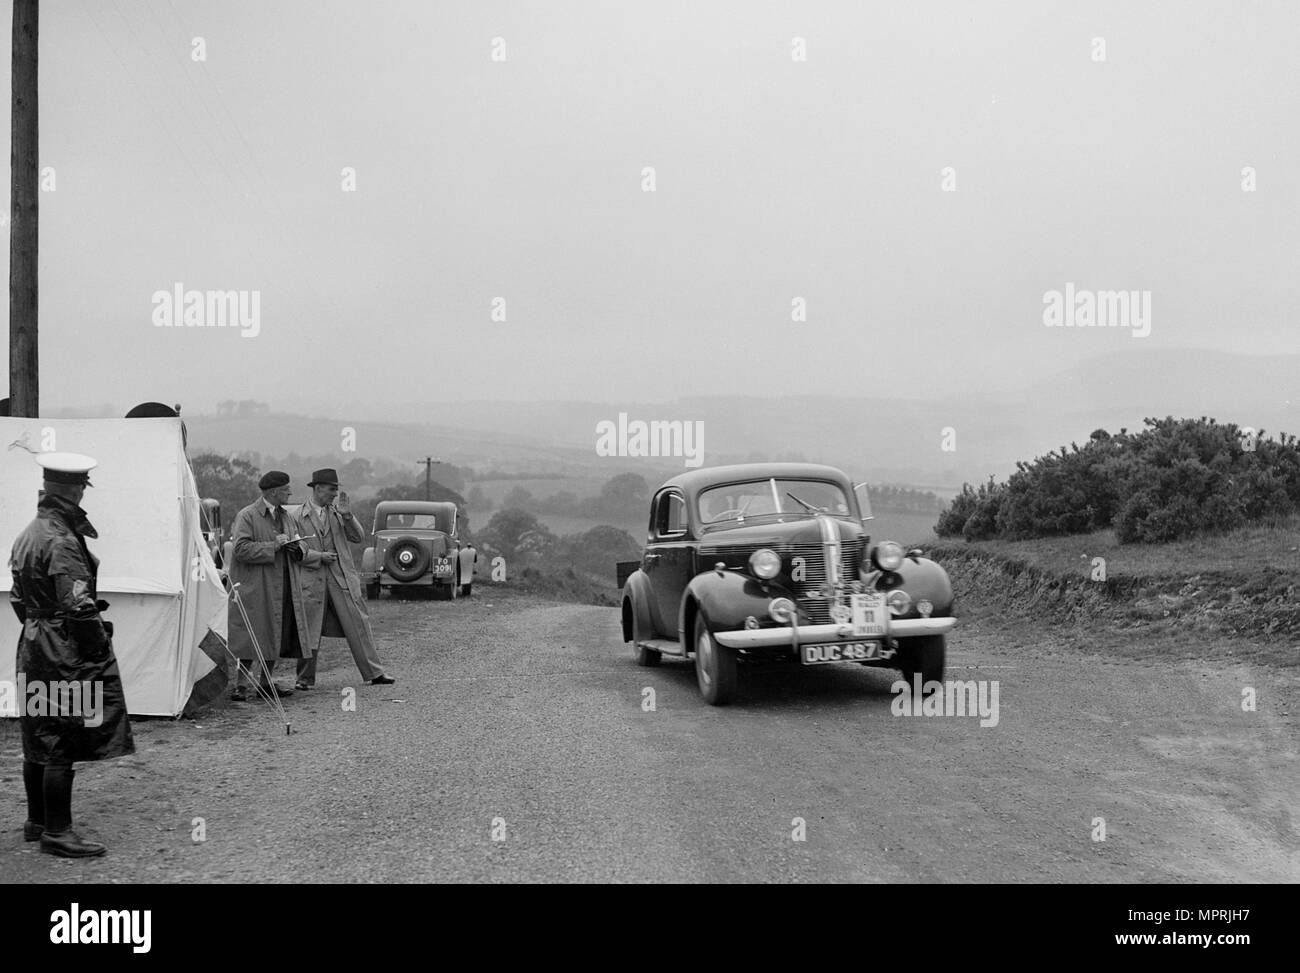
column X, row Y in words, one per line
column 1241, row 584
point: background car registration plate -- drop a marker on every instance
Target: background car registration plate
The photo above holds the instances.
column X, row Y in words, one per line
column 816, row 655
column 868, row 614
column 441, row 567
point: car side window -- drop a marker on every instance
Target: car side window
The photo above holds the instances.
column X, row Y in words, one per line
column 671, row 515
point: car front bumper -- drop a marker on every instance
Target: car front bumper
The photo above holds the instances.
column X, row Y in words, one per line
column 762, row 638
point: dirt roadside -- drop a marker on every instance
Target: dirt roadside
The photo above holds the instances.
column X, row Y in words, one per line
column 524, row 720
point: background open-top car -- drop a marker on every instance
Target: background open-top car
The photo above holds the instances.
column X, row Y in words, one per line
column 774, row 561
column 415, row 545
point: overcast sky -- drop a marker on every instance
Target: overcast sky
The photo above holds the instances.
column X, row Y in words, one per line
column 776, row 178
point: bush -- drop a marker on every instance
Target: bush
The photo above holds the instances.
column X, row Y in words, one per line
column 953, row 519
column 1176, row 478
column 982, row 522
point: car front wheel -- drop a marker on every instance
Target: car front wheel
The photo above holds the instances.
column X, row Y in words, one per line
column 923, row 654
column 715, row 666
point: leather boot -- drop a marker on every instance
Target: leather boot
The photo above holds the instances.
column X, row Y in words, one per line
column 69, row 844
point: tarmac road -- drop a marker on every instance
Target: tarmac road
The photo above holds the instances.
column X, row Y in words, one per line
column 525, row 718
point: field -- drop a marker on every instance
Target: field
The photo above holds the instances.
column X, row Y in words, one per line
column 1242, row 552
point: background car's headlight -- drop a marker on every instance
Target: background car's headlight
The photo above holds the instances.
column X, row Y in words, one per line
column 899, row 601
column 765, row 563
column 889, row 555
column 781, row 609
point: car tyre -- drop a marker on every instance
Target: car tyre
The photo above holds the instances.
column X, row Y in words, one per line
column 715, row 666
column 644, row 657
column 372, row 591
column 467, row 590
column 923, row 654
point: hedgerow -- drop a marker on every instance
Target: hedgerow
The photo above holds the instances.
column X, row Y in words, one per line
column 1175, row 478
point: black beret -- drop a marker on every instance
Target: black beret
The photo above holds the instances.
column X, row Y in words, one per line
column 272, row 479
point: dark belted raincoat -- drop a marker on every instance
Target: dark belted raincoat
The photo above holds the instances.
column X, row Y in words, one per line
column 260, row 571
column 64, row 640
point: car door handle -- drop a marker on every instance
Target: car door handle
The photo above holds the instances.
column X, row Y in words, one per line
column 653, row 557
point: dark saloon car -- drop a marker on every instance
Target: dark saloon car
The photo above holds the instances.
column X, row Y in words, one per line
column 774, row 561
column 416, row 545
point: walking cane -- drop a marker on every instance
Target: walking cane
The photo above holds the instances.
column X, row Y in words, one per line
column 274, row 696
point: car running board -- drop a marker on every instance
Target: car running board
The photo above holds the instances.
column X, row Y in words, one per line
column 666, row 646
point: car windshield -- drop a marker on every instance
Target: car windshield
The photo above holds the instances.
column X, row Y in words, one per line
column 413, row 522
column 735, row 503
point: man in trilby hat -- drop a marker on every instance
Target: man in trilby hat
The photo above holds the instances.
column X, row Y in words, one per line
column 331, row 586
column 65, row 645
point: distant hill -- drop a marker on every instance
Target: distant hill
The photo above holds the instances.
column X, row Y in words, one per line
column 895, row 438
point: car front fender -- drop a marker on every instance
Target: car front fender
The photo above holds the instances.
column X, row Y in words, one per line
column 923, row 578
column 727, row 598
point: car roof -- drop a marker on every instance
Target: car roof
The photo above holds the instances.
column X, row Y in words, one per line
column 701, row 479
column 385, row 507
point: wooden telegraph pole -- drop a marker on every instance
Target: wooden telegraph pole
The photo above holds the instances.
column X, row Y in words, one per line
column 24, row 189
column 427, row 463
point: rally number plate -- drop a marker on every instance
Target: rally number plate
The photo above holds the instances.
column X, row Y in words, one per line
column 816, row 655
column 868, row 615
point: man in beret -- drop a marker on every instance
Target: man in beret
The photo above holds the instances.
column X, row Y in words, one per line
column 65, row 643
column 331, row 586
column 265, row 563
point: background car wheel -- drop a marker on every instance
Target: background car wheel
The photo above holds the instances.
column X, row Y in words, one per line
column 467, row 590
column 372, row 591
column 923, row 654
column 715, row 667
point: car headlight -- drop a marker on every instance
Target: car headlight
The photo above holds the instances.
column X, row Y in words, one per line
column 781, row 609
column 889, row 555
column 899, row 601
column 765, row 563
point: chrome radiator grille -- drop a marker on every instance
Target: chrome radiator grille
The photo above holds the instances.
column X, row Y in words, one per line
column 814, row 562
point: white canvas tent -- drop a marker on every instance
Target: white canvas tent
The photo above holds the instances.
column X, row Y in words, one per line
column 168, row 606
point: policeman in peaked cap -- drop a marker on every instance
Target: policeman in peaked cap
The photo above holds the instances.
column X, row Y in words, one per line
column 71, row 704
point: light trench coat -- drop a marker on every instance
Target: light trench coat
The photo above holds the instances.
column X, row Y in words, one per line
column 316, row 572
column 258, row 568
